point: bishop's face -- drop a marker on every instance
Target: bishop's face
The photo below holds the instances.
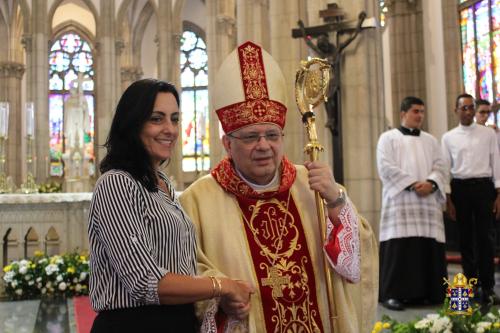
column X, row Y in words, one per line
column 256, row 151
column 414, row 117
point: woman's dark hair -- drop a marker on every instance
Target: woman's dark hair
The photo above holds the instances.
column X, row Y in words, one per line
column 125, row 149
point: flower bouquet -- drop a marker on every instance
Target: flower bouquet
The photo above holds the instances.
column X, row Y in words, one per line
column 443, row 322
column 59, row 275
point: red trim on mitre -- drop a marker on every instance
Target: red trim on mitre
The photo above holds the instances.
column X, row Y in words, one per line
column 257, row 107
column 227, row 177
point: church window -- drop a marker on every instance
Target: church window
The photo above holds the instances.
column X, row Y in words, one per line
column 480, row 36
column 383, row 11
column 194, row 103
column 70, row 65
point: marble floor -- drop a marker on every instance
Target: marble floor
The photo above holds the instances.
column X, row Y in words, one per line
column 57, row 315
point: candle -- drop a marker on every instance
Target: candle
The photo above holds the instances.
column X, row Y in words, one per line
column 4, row 119
column 30, row 119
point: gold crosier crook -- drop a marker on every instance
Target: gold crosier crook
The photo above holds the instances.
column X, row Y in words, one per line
column 311, row 87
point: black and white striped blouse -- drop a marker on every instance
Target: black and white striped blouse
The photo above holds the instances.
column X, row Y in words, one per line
column 136, row 237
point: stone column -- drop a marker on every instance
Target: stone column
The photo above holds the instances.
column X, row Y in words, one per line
column 106, row 66
column 362, row 112
column 406, row 51
column 37, row 83
column 288, row 52
column 452, row 54
column 11, row 74
column 169, row 43
column 434, row 52
column 254, row 21
column 221, row 40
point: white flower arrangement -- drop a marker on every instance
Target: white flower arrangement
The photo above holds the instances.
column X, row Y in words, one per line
column 43, row 275
column 442, row 322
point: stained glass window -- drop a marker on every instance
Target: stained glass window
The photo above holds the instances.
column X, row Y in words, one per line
column 480, row 29
column 71, row 87
column 383, row 11
column 194, row 103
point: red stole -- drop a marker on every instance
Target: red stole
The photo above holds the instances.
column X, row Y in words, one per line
column 280, row 255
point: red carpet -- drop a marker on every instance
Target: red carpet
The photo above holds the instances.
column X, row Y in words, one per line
column 84, row 315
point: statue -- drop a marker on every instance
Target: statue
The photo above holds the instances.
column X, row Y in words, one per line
column 76, row 125
column 76, row 115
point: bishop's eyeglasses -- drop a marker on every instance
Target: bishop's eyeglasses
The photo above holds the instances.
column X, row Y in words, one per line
column 253, row 138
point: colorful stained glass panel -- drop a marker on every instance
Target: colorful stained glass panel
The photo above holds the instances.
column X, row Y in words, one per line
column 483, row 50
column 468, row 50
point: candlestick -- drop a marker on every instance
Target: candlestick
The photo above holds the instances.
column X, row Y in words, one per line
column 4, row 119
column 29, row 186
column 30, row 119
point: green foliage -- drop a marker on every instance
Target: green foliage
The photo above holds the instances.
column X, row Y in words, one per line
column 443, row 322
column 66, row 275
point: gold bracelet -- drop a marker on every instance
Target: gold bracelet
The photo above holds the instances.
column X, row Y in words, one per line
column 219, row 285
column 214, row 287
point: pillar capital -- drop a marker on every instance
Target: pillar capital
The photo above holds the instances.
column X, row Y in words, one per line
column 119, row 46
column 403, row 7
column 226, row 24
column 27, row 42
column 9, row 69
column 131, row 73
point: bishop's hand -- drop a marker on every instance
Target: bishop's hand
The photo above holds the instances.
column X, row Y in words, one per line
column 321, row 180
column 235, row 300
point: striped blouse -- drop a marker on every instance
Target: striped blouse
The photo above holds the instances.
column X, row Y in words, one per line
column 136, row 237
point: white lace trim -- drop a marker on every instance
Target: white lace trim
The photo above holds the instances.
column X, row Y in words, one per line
column 349, row 258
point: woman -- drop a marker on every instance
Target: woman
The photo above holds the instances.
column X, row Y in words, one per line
column 143, row 248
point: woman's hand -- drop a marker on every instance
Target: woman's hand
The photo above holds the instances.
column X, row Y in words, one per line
column 235, row 299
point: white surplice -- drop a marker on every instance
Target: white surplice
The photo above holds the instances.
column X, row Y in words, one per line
column 401, row 161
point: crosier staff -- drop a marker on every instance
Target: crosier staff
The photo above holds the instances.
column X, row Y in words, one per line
column 311, row 87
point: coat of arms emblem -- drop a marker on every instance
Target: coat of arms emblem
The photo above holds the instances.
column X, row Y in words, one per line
column 460, row 294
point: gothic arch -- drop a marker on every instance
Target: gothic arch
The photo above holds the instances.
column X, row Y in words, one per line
column 25, row 12
column 138, row 30
column 177, row 12
column 4, row 35
column 69, row 26
column 88, row 3
column 190, row 26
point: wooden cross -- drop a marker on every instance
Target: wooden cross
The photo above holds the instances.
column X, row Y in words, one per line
column 275, row 280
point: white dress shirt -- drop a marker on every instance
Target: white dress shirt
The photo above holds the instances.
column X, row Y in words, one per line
column 471, row 152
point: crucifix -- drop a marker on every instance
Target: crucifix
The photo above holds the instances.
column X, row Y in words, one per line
column 275, row 281
column 333, row 17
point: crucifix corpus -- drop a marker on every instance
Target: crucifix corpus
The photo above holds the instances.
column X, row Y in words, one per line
column 335, row 25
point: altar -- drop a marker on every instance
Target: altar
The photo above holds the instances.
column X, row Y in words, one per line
column 50, row 222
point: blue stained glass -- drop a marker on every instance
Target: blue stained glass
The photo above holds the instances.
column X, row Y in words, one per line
column 82, row 61
column 483, row 50
column 86, row 47
column 55, row 125
column 68, row 78
column 468, row 50
column 70, row 54
column 201, row 79
column 70, row 42
column 195, row 115
column 188, row 40
column 187, row 78
column 88, row 85
column 55, row 82
column 201, row 44
column 198, row 58
column 56, row 46
column 59, row 61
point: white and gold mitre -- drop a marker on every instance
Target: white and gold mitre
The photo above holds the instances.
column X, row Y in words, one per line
column 249, row 88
